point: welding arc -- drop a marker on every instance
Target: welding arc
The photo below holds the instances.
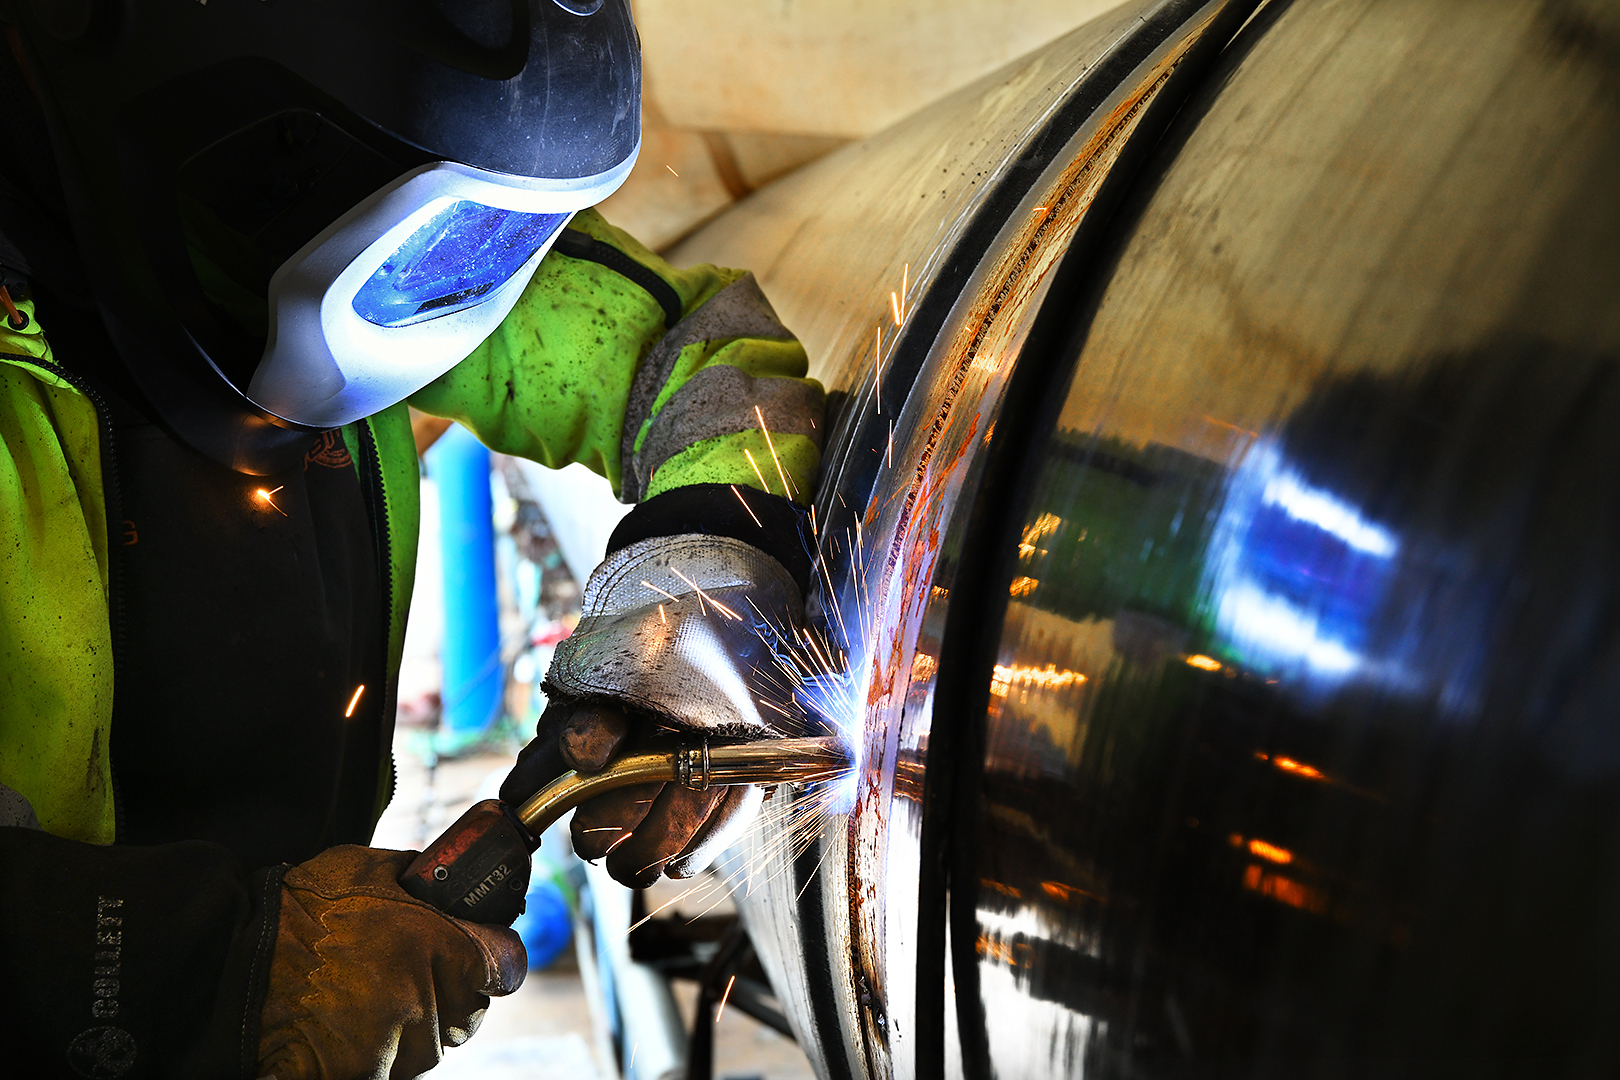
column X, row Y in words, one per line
column 765, row 761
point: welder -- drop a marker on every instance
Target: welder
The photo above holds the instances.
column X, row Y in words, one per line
column 238, row 238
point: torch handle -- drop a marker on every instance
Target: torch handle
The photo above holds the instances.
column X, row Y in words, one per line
column 478, row 869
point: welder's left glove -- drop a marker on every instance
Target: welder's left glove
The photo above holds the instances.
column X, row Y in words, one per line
column 366, row 981
column 681, row 634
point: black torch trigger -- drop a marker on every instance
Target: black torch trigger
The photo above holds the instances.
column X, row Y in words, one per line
column 478, row 869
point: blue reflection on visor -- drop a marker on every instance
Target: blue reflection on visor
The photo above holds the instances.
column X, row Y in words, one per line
column 454, row 262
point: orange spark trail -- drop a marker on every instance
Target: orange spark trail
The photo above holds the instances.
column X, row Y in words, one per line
column 757, row 473
column 721, row 1010
column 265, row 495
column 746, row 507
column 656, row 589
column 772, row 705
column 668, row 903
column 705, row 596
column 787, row 485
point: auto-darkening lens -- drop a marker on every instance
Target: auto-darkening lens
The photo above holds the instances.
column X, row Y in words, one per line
column 453, row 262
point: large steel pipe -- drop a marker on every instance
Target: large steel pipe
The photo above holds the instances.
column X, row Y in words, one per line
column 1220, row 551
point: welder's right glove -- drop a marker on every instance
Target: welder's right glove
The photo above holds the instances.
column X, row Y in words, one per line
column 366, row 981
column 681, row 635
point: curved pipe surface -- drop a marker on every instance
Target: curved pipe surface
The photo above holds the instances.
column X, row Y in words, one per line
column 912, row 266
column 1237, row 534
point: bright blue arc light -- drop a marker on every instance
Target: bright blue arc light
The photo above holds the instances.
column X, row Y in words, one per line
column 1300, row 574
column 455, row 261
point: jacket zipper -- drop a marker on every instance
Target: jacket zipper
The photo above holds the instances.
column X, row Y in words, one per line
column 377, row 497
column 112, row 503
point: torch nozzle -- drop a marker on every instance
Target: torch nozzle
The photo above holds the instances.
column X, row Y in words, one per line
column 700, row 766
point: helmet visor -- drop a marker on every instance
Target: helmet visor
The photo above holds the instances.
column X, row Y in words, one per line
column 405, row 285
column 455, row 261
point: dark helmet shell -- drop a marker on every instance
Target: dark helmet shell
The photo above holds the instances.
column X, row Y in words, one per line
column 201, row 144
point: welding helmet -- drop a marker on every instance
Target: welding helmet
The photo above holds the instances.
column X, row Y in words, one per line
column 295, row 213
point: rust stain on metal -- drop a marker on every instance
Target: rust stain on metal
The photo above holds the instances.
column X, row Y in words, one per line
column 1067, row 202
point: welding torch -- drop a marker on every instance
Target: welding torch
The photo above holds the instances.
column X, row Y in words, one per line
column 478, row 869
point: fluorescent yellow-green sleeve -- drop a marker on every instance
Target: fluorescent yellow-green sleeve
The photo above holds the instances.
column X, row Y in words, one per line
column 584, row 369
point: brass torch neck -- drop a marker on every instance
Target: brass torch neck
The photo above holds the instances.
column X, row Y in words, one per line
column 768, row 761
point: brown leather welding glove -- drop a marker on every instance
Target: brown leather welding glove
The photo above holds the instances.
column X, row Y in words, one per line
column 367, row 981
column 645, row 830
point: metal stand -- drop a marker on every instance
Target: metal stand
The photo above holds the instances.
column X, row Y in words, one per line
column 714, row 952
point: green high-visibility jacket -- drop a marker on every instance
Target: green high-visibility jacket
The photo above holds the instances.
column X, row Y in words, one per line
column 582, row 370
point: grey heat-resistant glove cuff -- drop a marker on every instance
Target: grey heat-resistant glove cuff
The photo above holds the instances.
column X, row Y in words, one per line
column 690, row 629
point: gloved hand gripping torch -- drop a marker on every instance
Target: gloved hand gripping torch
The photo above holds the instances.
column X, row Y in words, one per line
column 478, row 869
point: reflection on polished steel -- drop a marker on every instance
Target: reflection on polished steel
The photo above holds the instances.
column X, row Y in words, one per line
column 1325, row 518
column 1218, row 542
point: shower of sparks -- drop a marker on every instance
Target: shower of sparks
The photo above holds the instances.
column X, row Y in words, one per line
column 354, row 701
column 838, row 609
column 757, row 473
column 894, row 304
column 800, row 894
column 815, row 649
column 746, row 507
column 769, row 704
column 813, row 530
column 702, row 596
column 723, row 997
column 264, row 497
column 891, row 444
column 661, row 616
column 673, row 598
column 787, row 485
column 672, row 171
column 814, row 684
column 797, row 815
column 667, row 904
